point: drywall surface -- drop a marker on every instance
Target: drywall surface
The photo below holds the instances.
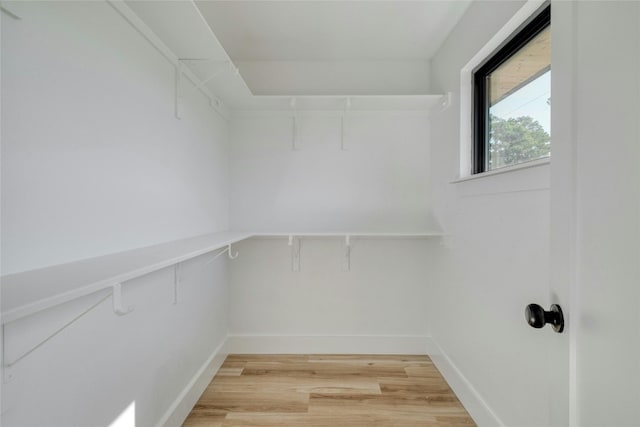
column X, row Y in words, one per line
column 382, row 294
column 93, row 160
column 378, row 182
column 496, row 258
column 373, row 176
column 95, row 369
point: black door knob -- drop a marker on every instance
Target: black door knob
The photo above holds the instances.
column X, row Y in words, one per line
column 537, row 317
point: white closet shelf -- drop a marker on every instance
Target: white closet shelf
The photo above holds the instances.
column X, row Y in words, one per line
column 32, row 291
column 29, row 292
column 365, row 234
column 181, row 32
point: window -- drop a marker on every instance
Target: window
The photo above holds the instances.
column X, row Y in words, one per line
column 512, row 99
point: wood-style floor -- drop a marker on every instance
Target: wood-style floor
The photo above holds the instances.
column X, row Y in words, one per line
column 328, row 390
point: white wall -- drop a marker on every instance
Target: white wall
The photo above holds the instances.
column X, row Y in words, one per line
column 96, row 368
column 94, row 162
column 497, row 256
column 383, row 294
column 381, row 182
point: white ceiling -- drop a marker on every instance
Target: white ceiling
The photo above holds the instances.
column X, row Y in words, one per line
column 332, row 30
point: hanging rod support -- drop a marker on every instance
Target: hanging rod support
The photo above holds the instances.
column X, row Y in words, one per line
column 118, row 306
column 343, row 124
column 346, row 263
column 231, row 256
column 294, row 129
column 294, row 242
column 176, row 282
column 218, row 255
column 445, row 101
column 178, row 91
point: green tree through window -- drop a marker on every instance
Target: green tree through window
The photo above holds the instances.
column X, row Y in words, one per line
column 516, row 140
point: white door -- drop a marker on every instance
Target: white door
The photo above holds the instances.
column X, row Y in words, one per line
column 595, row 217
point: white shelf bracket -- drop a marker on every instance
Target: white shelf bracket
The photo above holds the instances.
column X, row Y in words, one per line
column 178, row 94
column 294, row 242
column 231, row 255
column 218, row 255
column 294, row 129
column 118, row 306
column 176, row 283
column 7, row 366
column 346, row 263
column 343, row 123
column 445, row 101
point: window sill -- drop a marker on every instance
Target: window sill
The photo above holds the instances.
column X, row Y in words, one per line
column 505, row 170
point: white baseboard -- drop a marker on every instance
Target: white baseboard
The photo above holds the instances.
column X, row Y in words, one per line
column 186, row 400
column 327, row 344
column 473, row 402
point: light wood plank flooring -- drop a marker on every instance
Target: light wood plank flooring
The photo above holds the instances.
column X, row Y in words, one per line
column 328, row 390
